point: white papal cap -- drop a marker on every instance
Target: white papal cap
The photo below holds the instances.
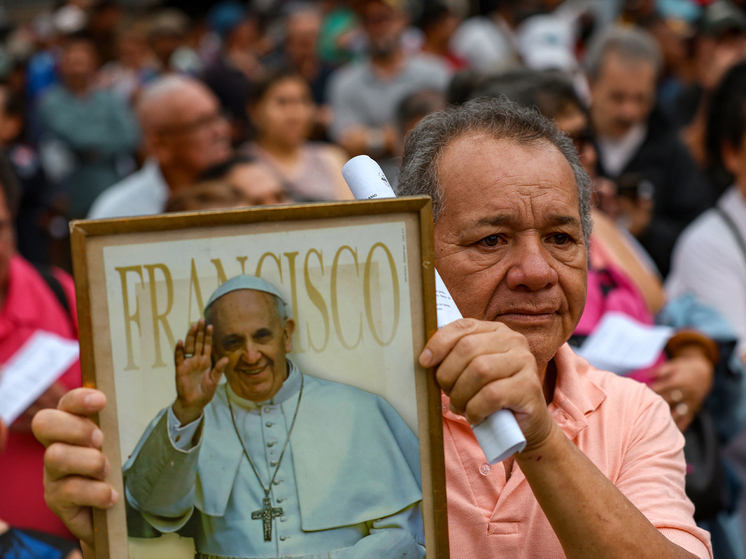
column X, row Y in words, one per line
column 244, row 282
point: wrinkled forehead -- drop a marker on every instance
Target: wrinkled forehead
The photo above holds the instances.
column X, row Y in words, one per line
column 244, row 305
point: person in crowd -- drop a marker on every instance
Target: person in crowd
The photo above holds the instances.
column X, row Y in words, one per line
column 238, row 64
column 439, row 23
column 207, row 195
column 38, row 202
column 302, row 26
column 622, row 65
column 167, row 37
column 282, row 111
column 602, row 474
column 488, row 42
column 719, row 44
column 184, row 134
column 105, row 19
column 709, row 259
column 364, row 96
column 31, row 299
column 134, row 66
column 257, row 185
column 93, row 131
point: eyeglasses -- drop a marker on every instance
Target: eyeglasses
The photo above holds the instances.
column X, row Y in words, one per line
column 195, row 126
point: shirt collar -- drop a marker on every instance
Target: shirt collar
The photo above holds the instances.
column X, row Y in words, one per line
column 575, row 395
column 289, row 388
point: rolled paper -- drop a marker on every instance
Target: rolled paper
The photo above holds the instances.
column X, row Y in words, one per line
column 366, row 179
column 499, row 434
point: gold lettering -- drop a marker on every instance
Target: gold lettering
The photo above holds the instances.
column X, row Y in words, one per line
column 366, row 292
column 297, row 347
column 259, row 265
column 317, row 300
column 335, row 304
column 242, row 260
column 221, row 272
column 130, row 318
column 194, row 285
column 160, row 317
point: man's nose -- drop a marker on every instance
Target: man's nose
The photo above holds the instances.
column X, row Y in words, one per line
column 530, row 266
column 251, row 353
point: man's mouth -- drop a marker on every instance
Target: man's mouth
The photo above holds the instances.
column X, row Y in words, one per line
column 527, row 316
column 253, row 371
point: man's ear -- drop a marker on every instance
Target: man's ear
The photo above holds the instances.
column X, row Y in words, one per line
column 289, row 329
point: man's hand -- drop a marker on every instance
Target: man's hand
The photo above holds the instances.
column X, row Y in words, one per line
column 196, row 378
column 684, row 383
column 486, row 366
column 74, row 466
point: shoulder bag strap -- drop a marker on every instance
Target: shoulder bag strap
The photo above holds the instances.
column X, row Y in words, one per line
column 728, row 220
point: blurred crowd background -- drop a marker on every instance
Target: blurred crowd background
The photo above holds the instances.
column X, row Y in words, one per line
column 111, row 108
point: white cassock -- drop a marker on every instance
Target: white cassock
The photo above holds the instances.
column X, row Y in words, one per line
column 349, row 483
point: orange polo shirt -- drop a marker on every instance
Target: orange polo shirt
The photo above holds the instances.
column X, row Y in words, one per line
column 620, row 424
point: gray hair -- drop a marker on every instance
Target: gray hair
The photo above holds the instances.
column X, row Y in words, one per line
column 503, row 120
column 629, row 43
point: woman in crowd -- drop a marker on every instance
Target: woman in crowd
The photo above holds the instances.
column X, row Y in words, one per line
column 281, row 109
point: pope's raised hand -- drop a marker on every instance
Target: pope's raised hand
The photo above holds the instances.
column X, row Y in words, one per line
column 196, row 378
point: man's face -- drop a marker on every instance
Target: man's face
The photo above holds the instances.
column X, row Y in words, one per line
column 384, row 26
column 250, row 333
column 259, row 185
column 193, row 134
column 623, row 95
column 79, row 62
column 509, row 244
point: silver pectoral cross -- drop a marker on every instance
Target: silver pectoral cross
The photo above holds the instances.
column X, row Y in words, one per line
column 266, row 514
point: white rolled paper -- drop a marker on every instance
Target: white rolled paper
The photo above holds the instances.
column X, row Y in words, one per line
column 499, row 434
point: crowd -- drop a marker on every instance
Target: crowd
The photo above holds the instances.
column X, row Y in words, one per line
column 110, row 110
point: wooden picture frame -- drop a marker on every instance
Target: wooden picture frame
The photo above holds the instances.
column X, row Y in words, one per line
column 358, row 277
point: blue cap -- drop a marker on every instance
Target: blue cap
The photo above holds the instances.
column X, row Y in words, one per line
column 244, row 282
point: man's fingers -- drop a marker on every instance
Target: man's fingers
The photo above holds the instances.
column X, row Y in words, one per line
column 82, row 401
column 62, row 460
column 218, row 370
column 74, row 491
column 207, row 350
column 190, row 337
column 52, row 426
column 441, row 343
column 482, row 372
column 474, row 350
column 200, row 339
column 179, row 353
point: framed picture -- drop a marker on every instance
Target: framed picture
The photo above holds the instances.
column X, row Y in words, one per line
column 295, row 419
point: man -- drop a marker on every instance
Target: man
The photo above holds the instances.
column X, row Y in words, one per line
column 258, row 186
column 184, row 135
column 91, row 129
column 364, row 96
column 38, row 196
column 255, row 489
column 622, row 66
column 602, row 474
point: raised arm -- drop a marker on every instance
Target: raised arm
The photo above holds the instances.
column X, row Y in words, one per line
column 485, row 366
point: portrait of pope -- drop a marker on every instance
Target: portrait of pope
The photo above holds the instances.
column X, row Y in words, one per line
column 273, row 462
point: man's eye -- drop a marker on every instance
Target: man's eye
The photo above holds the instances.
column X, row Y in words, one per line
column 491, row 241
column 561, row 238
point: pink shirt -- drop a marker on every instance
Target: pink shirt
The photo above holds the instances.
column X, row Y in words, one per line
column 621, row 425
column 31, row 305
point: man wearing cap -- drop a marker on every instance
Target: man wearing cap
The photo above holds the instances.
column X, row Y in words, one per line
column 275, row 462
